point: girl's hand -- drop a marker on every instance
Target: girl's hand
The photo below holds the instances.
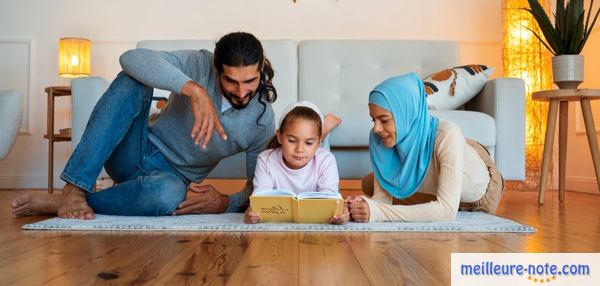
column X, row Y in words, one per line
column 251, row 216
column 359, row 209
column 343, row 218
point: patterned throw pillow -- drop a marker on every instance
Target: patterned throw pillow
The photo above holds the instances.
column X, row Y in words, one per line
column 451, row 88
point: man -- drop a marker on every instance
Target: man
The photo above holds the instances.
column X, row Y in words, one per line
column 154, row 166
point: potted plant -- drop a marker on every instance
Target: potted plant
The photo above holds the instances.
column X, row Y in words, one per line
column 566, row 38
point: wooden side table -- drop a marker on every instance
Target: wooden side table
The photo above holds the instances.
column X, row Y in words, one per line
column 563, row 96
column 54, row 91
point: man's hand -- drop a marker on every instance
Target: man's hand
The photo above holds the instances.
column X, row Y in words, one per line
column 205, row 115
column 359, row 208
column 206, row 200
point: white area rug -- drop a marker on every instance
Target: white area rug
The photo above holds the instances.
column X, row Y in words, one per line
column 465, row 222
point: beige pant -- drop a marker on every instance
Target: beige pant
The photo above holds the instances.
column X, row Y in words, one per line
column 488, row 203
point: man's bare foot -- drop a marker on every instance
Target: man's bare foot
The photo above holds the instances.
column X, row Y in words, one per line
column 74, row 204
column 331, row 122
column 34, row 203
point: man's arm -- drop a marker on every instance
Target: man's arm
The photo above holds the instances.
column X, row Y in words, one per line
column 238, row 202
column 209, row 200
column 165, row 70
column 206, row 118
column 174, row 71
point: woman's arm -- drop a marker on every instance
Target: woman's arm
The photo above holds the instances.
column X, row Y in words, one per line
column 449, row 152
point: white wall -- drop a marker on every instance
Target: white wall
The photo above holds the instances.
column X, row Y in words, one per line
column 30, row 29
column 580, row 174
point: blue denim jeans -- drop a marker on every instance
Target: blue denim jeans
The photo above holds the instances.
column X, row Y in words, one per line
column 116, row 137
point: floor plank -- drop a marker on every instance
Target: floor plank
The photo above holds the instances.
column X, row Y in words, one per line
column 271, row 258
column 386, row 262
column 293, row 258
column 327, row 259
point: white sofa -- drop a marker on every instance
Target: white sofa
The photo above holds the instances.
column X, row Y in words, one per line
column 337, row 75
column 10, row 119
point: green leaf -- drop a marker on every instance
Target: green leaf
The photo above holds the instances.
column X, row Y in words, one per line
column 551, row 35
column 589, row 30
column 587, row 20
column 577, row 37
column 559, row 16
column 571, row 27
column 574, row 13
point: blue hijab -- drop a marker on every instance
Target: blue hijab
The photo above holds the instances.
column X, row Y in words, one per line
column 400, row 170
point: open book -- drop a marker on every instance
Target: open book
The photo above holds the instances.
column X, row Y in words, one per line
column 285, row 206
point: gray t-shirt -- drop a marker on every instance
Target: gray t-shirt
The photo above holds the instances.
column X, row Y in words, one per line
column 248, row 130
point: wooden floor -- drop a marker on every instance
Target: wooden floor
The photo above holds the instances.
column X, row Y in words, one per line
column 82, row 258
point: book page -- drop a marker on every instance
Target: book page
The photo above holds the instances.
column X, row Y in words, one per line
column 274, row 193
column 319, row 195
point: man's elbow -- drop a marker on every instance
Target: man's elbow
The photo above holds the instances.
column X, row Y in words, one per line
column 128, row 57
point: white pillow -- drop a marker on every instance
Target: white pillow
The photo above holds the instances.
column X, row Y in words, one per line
column 452, row 88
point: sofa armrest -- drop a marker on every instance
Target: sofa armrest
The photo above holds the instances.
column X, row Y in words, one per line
column 504, row 100
column 10, row 119
column 85, row 93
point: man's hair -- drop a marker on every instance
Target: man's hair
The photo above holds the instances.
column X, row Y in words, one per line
column 240, row 49
column 299, row 112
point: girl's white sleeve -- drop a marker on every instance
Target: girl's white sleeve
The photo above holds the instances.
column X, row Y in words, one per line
column 262, row 177
column 329, row 178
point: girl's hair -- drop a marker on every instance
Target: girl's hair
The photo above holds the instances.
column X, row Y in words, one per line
column 241, row 49
column 300, row 112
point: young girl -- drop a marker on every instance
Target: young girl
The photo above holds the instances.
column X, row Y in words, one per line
column 294, row 160
column 421, row 159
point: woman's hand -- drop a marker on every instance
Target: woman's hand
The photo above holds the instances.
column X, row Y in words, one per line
column 206, row 119
column 251, row 216
column 359, row 208
column 343, row 218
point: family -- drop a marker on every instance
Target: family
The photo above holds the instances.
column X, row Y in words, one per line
column 424, row 169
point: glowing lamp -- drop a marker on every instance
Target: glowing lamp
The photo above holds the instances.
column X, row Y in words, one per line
column 74, row 57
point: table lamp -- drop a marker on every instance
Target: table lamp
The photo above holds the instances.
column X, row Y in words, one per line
column 74, row 57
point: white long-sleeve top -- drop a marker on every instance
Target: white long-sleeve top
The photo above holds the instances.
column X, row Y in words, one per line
column 319, row 175
column 456, row 174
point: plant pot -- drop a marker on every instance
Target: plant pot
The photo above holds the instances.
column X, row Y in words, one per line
column 567, row 71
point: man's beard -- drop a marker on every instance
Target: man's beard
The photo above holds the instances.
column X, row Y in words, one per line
column 241, row 105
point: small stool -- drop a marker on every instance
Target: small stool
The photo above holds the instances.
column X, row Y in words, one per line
column 563, row 96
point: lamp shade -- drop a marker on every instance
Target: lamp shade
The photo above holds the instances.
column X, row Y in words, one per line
column 74, row 57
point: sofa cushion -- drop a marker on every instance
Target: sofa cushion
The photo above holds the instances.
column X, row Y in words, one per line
column 337, row 75
column 475, row 125
column 353, row 132
column 453, row 87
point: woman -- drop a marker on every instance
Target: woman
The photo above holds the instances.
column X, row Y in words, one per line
column 426, row 160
